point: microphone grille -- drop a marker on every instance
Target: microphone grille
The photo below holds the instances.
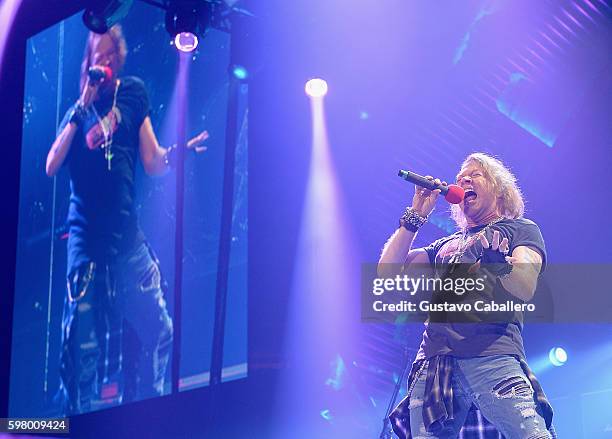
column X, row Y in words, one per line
column 455, row 194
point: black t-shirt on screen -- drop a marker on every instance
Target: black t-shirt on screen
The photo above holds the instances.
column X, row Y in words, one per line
column 102, row 218
column 482, row 338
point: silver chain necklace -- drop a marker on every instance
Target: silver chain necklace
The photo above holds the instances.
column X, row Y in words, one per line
column 466, row 241
column 107, row 130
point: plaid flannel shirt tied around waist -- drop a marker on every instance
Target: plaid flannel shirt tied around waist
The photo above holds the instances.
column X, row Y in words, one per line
column 438, row 403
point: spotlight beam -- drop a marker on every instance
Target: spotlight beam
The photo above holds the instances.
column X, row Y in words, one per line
column 322, row 312
column 181, row 140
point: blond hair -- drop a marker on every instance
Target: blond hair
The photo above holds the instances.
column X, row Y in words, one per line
column 510, row 202
column 116, row 34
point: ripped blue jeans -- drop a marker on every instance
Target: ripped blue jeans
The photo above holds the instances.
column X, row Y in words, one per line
column 497, row 386
column 100, row 299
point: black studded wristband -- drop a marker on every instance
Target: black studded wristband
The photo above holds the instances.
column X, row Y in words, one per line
column 411, row 220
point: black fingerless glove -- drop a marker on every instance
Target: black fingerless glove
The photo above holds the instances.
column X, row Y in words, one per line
column 495, row 262
column 78, row 115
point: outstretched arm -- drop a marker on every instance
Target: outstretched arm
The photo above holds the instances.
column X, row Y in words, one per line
column 153, row 156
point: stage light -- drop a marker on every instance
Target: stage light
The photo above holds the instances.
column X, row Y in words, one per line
column 102, row 17
column 316, row 88
column 186, row 41
column 185, row 21
column 239, row 72
column 557, row 356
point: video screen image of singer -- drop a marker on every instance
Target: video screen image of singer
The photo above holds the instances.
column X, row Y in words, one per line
column 94, row 315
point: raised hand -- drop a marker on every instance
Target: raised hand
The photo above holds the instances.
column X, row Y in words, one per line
column 424, row 200
column 496, row 251
column 494, row 255
column 196, row 142
column 89, row 94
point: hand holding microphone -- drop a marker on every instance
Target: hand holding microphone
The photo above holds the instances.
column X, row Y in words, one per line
column 88, row 95
column 96, row 75
column 99, row 73
column 424, row 199
column 427, row 190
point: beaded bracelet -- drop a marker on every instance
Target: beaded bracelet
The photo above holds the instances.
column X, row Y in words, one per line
column 169, row 156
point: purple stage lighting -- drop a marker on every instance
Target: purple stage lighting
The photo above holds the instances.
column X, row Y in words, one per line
column 186, row 41
column 8, row 10
column 323, row 315
column 316, row 88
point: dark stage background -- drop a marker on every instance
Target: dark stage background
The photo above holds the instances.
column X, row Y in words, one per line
column 415, row 85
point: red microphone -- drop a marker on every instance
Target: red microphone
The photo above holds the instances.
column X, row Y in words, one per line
column 97, row 74
column 454, row 194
